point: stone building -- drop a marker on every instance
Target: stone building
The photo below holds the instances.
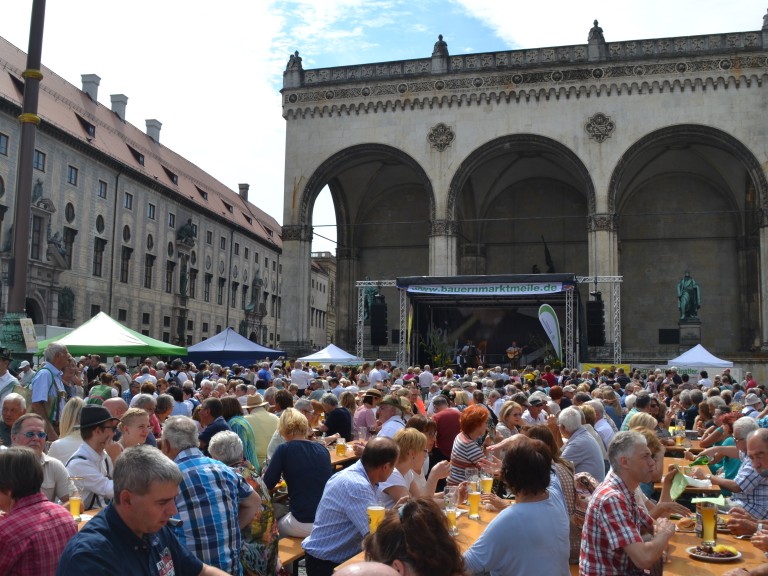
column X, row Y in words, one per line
column 634, row 158
column 327, row 262
column 122, row 224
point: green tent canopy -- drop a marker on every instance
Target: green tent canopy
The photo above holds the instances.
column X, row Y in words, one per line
column 107, row 337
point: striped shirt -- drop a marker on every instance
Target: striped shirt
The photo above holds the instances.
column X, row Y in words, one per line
column 208, row 500
column 341, row 520
column 464, row 456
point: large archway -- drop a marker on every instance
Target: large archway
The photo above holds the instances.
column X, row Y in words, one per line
column 384, row 204
column 688, row 198
column 517, row 199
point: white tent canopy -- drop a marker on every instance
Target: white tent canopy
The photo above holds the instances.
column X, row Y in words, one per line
column 699, row 357
column 332, row 355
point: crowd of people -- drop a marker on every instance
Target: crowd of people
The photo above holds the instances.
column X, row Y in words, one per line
column 185, row 462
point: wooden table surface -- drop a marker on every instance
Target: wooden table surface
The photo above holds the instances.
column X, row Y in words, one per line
column 342, row 461
column 695, row 448
column 711, row 491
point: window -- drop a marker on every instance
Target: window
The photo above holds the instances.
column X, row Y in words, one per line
column 145, row 332
column 171, row 220
column 266, row 263
column 203, row 193
column 166, row 321
column 39, row 161
column 169, row 268
column 233, row 299
column 223, row 243
column 145, row 318
column 69, row 244
column 136, row 154
column 149, row 266
column 256, row 257
column 228, row 206
column 247, row 253
column 209, row 237
column 151, row 211
column 192, row 283
column 128, row 201
column 122, row 315
column 95, row 309
column 237, row 249
column 3, row 144
column 72, row 173
column 171, row 176
column 274, row 265
column 36, row 244
column 247, row 218
column 205, row 327
column 89, row 128
column 190, row 325
column 102, row 189
column 220, row 293
column 125, row 264
column 218, row 328
column 166, row 337
column 207, row 288
column 245, row 296
column 98, row 256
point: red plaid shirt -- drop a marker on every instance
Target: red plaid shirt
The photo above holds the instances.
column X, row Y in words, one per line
column 33, row 536
column 613, row 521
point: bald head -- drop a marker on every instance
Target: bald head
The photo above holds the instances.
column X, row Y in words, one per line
column 367, row 569
column 116, row 406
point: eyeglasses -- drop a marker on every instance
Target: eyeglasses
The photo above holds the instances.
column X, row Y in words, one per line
column 30, row 435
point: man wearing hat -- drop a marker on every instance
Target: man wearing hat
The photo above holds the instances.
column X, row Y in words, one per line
column 263, row 422
column 535, row 413
column 391, row 416
column 8, row 383
column 365, row 415
column 26, row 373
column 91, row 462
column 752, row 405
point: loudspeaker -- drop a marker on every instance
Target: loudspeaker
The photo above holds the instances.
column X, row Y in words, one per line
column 596, row 323
column 379, row 322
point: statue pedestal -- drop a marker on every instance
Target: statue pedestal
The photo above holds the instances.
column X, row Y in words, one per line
column 690, row 334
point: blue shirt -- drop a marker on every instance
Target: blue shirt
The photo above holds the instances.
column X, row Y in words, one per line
column 218, row 425
column 341, row 520
column 306, row 467
column 208, row 499
column 754, row 489
column 106, row 545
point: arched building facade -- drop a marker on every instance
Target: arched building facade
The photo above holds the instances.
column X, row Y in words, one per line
column 640, row 158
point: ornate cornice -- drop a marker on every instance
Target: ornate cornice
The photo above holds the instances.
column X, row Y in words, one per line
column 444, row 228
column 300, row 233
column 603, row 223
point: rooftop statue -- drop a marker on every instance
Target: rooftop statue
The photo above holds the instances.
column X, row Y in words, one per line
column 441, row 47
column 596, row 33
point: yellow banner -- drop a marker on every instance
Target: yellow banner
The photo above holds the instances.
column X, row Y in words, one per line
column 601, row 367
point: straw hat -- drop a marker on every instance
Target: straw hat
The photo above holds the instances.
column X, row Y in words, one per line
column 255, row 401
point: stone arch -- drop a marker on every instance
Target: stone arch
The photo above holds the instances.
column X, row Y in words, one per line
column 325, row 174
column 35, row 309
column 523, row 142
column 686, row 133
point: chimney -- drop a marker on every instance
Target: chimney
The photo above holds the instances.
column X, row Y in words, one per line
column 91, row 85
column 119, row 102
column 153, row 129
column 244, row 191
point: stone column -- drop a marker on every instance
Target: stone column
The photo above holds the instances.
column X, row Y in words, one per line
column 346, row 298
column 604, row 260
column 442, row 248
column 764, row 282
column 294, row 327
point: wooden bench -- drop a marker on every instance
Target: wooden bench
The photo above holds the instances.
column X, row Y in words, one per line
column 289, row 550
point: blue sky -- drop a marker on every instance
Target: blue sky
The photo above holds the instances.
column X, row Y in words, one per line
column 210, row 72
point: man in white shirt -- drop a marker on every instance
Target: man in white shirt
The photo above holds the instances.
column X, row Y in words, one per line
column 390, row 416
column 8, row 383
column 300, row 377
column 376, row 377
column 535, row 414
column 91, row 462
column 26, row 373
column 705, row 383
column 425, row 380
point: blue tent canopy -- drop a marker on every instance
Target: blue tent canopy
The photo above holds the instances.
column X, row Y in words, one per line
column 229, row 347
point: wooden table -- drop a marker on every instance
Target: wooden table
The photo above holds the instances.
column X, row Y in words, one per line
column 342, row 461
column 469, row 532
column 695, row 448
column 711, row 491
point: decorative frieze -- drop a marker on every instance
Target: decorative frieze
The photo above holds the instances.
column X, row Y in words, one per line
column 603, row 223
column 444, row 228
column 600, row 127
column 440, row 137
column 302, row 233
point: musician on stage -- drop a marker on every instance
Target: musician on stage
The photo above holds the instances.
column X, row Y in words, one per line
column 513, row 353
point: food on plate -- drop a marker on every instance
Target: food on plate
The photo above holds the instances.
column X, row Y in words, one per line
column 719, row 551
column 687, row 523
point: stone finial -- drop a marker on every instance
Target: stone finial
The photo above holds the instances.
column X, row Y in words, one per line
column 596, row 34
column 293, row 77
column 765, row 21
column 294, row 62
column 441, row 47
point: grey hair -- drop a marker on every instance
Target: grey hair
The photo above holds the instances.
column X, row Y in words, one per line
column 623, row 445
column 269, row 394
column 598, row 407
column 52, row 350
column 180, row 432
column 226, row 447
column 716, row 402
column 745, row 426
column 629, row 401
column 302, row 404
column 164, row 403
column 330, row 399
column 14, row 397
column 144, row 400
column 140, row 466
column 570, row 419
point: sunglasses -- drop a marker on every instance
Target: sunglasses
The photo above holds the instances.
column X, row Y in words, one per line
column 30, row 435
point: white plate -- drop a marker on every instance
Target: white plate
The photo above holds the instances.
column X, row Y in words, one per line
column 692, row 552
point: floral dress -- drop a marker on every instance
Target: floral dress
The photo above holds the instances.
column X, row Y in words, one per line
column 259, row 552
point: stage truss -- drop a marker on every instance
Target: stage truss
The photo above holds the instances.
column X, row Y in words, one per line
column 571, row 359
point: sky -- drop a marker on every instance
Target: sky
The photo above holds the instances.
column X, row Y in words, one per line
column 211, row 71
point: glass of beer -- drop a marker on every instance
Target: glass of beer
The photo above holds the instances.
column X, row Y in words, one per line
column 474, row 505
column 362, row 434
column 708, row 523
column 450, row 513
column 75, row 497
column 375, row 516
column 341, row 447
column 473, row 479
column 486, row 481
